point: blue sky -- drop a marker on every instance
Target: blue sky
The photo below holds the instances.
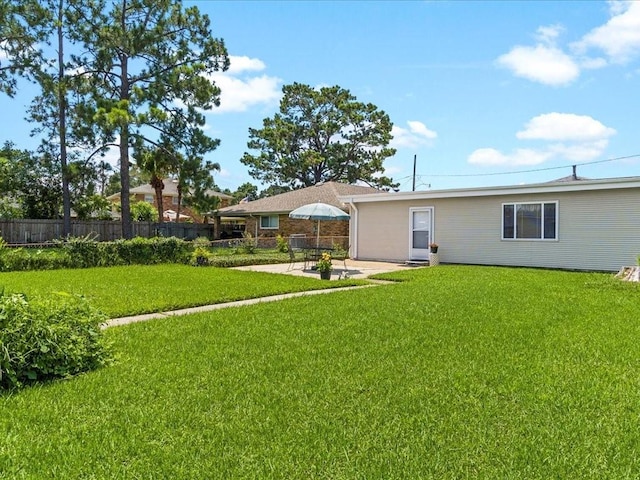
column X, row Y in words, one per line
column 483, row 93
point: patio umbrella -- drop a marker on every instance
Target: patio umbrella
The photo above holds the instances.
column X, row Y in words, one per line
column 318, row 211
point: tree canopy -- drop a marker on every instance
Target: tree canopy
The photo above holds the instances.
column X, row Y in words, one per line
column 321, row 135
column 148, row 62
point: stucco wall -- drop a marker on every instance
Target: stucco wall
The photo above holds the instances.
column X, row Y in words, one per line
column 597, row 230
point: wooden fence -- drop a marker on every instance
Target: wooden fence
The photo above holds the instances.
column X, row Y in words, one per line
column 26, row 231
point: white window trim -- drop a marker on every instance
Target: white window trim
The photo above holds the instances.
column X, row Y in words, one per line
column 277, row 217
column 541, row 203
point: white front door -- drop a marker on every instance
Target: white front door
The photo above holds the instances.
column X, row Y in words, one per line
column 421, row 225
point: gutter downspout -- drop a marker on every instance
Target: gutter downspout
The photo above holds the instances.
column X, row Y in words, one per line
column 354, row 229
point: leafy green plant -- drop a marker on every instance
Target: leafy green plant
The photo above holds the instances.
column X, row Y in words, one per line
column 143, row 212
column 281, row 244
column 324, row 263
column 201, row 242
column 21, row 259
column 339, row 252
column 247, row 245
column 83, row 251
column 47, row 339
column 200, row 257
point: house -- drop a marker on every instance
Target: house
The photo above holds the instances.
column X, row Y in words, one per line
column 146, row 193
column 577, row 224
column 269, row 217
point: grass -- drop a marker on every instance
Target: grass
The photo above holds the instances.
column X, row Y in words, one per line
column 120, row 291
column 458, row 372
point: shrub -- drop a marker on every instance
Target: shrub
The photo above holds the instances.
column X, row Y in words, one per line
column 20, row 259
column 201, row 257
column 83, row 251
column 148, row 251
column 143, row 212
column 201, row 242
column 281, row 244
column 47, row 339
column 247, row 245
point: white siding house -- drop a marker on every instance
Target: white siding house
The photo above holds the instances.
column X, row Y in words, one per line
column 578, row 225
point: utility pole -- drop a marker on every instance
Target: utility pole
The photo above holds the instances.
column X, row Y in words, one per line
column 414, row 174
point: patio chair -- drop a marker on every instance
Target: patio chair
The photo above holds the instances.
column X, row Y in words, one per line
column 344, row 259
column 297, row 242
column 292, row 257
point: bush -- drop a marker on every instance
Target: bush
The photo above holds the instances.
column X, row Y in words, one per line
column 201, row 242
column 281, row 244
column 47, row 339
column 149, row 251
column 83, row 251
column 201, row 257
column 86, row 252
column 246, row 246
column 20, row 259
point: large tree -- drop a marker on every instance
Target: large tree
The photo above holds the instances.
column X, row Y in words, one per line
column 22, row 29
column 195, row 178
column 148, row 62
column 321, row 135
column 32, row 182
column 51, row 109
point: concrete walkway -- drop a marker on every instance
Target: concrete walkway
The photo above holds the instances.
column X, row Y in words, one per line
column 355, row 269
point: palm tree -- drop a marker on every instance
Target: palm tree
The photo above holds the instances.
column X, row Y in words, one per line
column 158, row 162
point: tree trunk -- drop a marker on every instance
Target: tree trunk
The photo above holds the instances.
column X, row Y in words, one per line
column 179, row 188
column 62, row 119
column 158, row 186
column 127, row 228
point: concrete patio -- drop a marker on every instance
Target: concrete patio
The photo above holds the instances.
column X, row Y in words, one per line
column 355, row 269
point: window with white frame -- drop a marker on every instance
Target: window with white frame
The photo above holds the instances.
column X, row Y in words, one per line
column 269, row 222
column 174, row 200
column 530, row 221
column 148, row 198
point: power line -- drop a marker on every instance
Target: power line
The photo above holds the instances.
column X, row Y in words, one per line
column 521, row 171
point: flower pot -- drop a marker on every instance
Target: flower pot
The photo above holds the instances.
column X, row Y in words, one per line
column 325, row 274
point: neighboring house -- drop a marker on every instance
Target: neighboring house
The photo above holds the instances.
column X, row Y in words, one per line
column 269, row 217
column 569, row 223
column 146, row 193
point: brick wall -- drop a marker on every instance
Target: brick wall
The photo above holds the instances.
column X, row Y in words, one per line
column 288, row 226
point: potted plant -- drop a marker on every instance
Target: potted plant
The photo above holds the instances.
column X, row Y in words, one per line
column 434, row 247
column 324, row 266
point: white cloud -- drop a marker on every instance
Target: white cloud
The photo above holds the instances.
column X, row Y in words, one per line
column 240, row 90
column 548, row 34
column 619, row 38
column 580, row 152
column 577, row 138
column 565, row 126
column 617, row 41
column 542, row 63
column 416, row 135
column 244, row 64
column 490, row 157
column 421, row 129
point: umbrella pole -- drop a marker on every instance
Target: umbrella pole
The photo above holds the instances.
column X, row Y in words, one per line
column 318, row 236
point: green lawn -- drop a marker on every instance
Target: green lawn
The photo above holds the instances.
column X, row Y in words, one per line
column 459, row 372
column 120, row 291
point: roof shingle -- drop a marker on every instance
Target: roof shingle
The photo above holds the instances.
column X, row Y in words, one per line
column 327, row 192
